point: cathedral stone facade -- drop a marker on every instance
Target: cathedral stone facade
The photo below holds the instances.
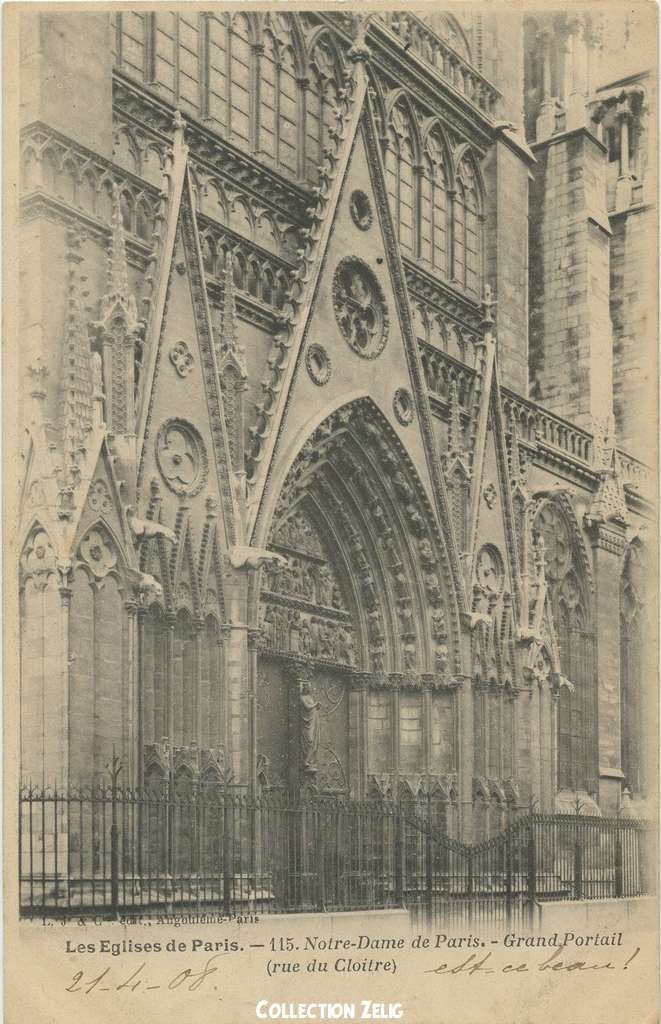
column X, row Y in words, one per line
column 333, row 370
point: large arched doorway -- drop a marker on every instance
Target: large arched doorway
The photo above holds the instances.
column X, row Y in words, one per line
column 355, row 682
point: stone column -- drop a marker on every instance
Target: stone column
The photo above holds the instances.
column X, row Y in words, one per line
column 535, row 741
column 608, row 546
column 198, row 627
column 625, row 177
column 240, row 755
column 358, row 736
column 396, row 723
column 575, row 102
column 427, row 705
column 545, row 124
column 254, row 636
column 169, row 691
column 131, row 713
column 61, row 774
column 140, row 696
column 546, row 783
column 466, row 757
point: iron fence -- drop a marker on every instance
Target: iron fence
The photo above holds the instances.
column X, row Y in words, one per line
column 107, row 849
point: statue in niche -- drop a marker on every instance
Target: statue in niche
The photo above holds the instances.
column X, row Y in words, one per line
column 314, row 636
column 325, row 641
column 310, row 728
column 295, row 631
column 324, row 586
column 305, row 637
column 307, row 583
column 268, row 628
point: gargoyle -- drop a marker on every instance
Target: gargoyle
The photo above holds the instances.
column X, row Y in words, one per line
column 143, row 581
column 144, row 529
column 244, row 557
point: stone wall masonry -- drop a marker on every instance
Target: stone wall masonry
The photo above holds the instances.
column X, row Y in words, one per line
column 570, row 330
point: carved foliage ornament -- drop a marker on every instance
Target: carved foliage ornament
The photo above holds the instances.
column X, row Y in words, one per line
column 181, row 457
column 360, row 307
column 181, row 358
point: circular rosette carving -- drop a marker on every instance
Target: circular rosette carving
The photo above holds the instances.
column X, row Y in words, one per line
column 403, row 406
column 360, row 308
column 318, row 364
column 97, row 550
column 360, row 209
column 181, row 457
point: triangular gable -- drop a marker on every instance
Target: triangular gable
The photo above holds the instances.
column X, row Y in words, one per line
column 356, row 219
column 181, row 378
column 100, row 498
column 39, row 493
column 492, row 509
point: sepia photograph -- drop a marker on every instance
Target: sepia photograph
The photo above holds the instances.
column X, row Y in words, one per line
column 332, row 428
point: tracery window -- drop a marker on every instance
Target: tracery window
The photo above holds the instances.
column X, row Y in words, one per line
column 467, row 234
column 400, row 180
column 278, row 94
column 434, row 206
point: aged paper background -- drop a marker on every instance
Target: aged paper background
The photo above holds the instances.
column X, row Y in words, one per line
column 38, row 969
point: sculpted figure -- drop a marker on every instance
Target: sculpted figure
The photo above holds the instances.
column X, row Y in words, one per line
column 310, row 729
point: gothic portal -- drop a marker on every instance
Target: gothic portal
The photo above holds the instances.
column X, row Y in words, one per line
column 332, row 480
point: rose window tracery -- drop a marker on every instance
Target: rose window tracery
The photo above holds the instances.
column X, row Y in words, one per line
column 360, row 308
column 181, row 457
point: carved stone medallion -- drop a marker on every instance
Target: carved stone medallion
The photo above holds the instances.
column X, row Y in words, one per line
column 360, row 209
column 98, row 498
column 97, row 550
column 360, row 307
column 181, row 358
column 181, row 457
column 318, row 364
column 403, row 406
